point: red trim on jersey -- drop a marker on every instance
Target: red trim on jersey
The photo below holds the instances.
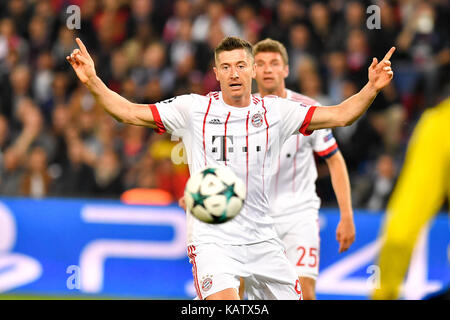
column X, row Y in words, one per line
column 295, row 163
column 255, row 99
column 328, row 151
column 160, row 129
column 192, row 256
column 204, row 123
column 304, row 128
column 213, row 94
column 225, row 140
column 267, row 141
column 248, row 151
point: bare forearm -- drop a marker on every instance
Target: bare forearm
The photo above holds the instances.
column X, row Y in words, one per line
column 355, row 106
column 117, row 106
column 345, row 113
column 341, row 184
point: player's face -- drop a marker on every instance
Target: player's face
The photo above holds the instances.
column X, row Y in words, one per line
column 234, row 70
column 270, row 72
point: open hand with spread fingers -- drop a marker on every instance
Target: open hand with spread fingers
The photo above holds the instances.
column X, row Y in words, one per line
column 82, row 63
column 380, row 74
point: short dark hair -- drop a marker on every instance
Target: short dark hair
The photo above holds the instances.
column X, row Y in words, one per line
column 233, row 43
column 270, row 45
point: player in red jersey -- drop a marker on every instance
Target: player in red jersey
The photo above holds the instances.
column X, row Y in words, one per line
column 258, row 128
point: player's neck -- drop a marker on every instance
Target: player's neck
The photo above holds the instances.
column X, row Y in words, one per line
column 239, row 102
column 279, row 92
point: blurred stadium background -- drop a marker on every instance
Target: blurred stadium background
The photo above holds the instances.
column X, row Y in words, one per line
column 88, row 205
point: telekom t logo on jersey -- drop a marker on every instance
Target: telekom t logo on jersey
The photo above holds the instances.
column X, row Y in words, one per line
column 222, row 145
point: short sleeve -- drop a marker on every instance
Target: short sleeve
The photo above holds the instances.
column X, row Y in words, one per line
column 295, row 117
column 323, row 143
column 172, row 114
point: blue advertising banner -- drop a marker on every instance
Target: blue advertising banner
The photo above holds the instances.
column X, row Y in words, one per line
column 62, row 247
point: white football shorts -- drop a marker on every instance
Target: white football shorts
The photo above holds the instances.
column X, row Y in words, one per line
column 300, row 235
column 267, row 272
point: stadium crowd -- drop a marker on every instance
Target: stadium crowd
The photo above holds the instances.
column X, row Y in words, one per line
column 55, row 141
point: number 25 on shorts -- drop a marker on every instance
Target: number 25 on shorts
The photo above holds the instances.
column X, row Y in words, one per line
column 312, row 255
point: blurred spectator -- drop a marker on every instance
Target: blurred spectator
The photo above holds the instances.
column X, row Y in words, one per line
column 311, row 85
column 299, row 49
column 422, row 43
column 372, row 191
column 11, row 173
column 59, row 126
column 154, row 68
column 336, row 74
column 357, row 47
column 63, row 46
column 151, row 50
column 110, row 21
column 353, row 18
column 286, row 12
column 134, row 144
column 182, row 46
column 215, row 15
column 59, row 93
column 321, row 26
column 77, row 178
column 251, row 24
column 43, row 78
column 32, row 121
column 108, row 175
column 38, row 31
column 4, row 134
column 19, row 11
column 36, row 180
column 118, row 70
column 16, row 87
column 169, row 177
column 182, row 11
column 5, row 138
column 382, row 39
column 142, row 173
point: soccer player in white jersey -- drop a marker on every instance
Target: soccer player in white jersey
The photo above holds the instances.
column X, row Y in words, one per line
column 235, row 129
column 294, row 201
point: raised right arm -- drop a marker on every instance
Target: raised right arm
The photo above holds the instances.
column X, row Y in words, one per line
column 117, row 106
column 348, row 111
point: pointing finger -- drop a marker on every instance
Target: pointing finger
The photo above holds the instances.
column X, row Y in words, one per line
column 82, row 46
column 389, row 54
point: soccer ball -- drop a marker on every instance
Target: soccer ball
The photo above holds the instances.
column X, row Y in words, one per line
column 214, row 195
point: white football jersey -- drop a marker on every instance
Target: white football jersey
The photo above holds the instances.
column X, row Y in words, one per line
column 293, row 189
column 247, row 140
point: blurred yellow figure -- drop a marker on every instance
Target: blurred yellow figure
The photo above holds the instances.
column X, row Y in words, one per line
column 420, row 192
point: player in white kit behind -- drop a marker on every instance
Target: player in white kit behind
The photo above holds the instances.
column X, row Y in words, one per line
column 294, row 201
column 235, row 129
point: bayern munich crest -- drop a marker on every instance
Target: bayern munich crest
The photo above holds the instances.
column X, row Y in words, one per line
column 207, row 283
column 257, row 120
